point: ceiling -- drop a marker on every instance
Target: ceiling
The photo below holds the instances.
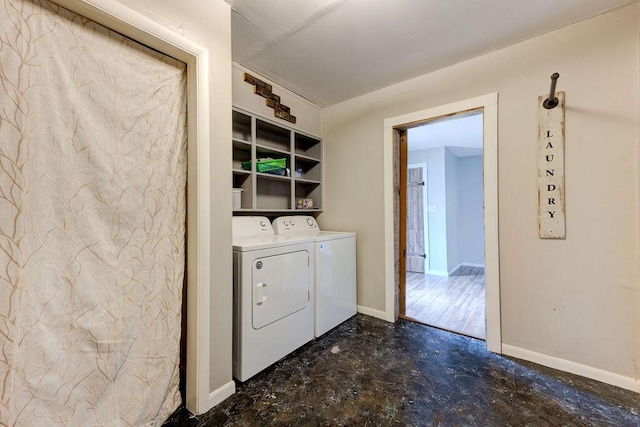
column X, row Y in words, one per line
column 461, row 134
column 332, row 50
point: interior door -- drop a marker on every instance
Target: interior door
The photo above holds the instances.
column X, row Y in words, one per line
column 416, row 253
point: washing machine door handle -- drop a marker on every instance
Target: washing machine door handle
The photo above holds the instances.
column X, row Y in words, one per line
column 262, row 289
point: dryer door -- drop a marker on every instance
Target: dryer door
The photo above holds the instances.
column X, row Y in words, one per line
column 280, row 286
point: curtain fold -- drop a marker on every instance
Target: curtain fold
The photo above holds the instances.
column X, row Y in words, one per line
column 92, row 222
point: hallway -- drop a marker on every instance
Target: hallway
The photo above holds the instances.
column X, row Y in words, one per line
column 371, row 372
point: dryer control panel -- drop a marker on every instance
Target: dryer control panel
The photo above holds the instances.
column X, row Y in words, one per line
column 250, row 226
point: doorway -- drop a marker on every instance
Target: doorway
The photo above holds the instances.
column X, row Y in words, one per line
column 395, row 166
column 445, row 270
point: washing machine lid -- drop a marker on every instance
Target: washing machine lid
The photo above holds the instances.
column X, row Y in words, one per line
column 305, row 225
column 247, row 226
column 333, row 235
column 254, row 243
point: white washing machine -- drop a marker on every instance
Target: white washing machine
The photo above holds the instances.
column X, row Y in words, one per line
column 273, row 295
column 335, row 269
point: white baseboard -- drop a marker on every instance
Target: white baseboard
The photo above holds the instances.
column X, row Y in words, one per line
column 453, row 270
column 220, row 394
column 471, row 264
column 464, row 264
column 372, row 312
column 573, row 367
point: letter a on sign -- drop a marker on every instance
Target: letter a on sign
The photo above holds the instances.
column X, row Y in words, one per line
column 551, row 215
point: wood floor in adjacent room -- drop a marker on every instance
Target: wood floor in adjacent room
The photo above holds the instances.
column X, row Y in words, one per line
column 455, row 303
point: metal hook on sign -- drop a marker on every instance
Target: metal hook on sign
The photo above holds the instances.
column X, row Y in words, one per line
column 552, row 101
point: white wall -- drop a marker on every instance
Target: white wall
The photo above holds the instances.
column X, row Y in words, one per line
column 451, row 195
column 470, row 211
column 436, row 196
column 576, row 299
column 456, row 229
column 308, row 115
column 209, row 24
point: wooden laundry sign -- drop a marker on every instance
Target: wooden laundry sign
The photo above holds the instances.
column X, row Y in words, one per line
column 551, row 169
column 272, row 100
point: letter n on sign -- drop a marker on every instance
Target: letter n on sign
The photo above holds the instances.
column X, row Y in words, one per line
column 551, row 169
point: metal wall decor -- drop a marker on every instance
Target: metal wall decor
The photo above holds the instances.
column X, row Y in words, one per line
column 265, row 90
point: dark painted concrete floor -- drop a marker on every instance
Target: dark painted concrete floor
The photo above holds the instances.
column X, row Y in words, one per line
column 367, row 372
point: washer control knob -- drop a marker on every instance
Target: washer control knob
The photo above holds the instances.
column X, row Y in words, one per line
column 310, row 222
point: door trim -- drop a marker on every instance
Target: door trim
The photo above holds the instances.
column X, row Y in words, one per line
column 489, row 104
column 400, row 166
column 138, row 27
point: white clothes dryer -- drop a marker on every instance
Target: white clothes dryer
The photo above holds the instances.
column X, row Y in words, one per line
column 272, row 292
column 335, row 269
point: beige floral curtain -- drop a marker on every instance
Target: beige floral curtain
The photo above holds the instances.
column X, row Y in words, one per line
column 92, row 222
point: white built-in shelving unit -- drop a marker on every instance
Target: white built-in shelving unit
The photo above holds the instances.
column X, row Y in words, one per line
column 255, row 137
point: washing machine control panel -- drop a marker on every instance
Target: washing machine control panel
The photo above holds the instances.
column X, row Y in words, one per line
column 299, row 224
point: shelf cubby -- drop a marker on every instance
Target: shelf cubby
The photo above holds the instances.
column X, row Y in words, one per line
column 241, row 126
column 310, row 169
column 308, row 146
column 242, row 179
column 270, row 135
column 273, row 193
column 268, row 153
column 241, row 153
column 308, row 190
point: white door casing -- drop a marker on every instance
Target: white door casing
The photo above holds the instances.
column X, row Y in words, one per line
column 489, row 104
